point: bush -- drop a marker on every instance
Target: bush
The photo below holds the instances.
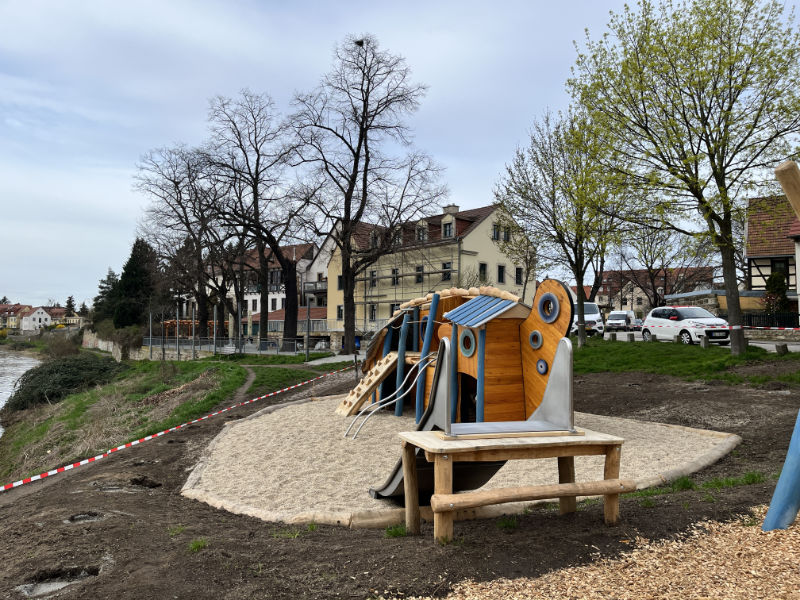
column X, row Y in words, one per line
column 56, row 379
column 3, row 334
column 59, row 347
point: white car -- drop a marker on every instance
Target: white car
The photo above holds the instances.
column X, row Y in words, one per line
column 591, row 317
column 620, row 320
column 689, row 323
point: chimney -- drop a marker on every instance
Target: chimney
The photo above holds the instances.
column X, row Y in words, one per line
column 450, row 209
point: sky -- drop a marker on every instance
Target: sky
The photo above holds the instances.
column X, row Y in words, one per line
column 87, row 87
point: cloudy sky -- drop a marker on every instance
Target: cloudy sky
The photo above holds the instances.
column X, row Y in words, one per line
column 87, row 87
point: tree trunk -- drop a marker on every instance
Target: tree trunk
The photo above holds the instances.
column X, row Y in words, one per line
column 202, row 312
column 290, row 314
column 348, row 287
column 738, row 345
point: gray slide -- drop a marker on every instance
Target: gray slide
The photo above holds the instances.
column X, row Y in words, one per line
column 466, row 476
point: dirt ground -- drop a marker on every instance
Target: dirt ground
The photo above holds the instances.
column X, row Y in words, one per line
column 120, row 528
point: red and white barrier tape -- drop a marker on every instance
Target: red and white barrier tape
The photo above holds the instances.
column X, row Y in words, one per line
column 86, row 461
column 727, row 327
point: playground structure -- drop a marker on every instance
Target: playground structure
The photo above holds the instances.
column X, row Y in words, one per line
column 475, row 363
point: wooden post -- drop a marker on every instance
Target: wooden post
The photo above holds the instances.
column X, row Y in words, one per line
column 566, row 474
column 612, row 336
column 788, row 176
column 630, row 337
column 411, row 488
column 443, row 484
column 611, row 471
column 781, row 349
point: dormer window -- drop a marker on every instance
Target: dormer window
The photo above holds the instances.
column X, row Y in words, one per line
column 422, row 233
column 397, row 237
column 447, row 230
column 373, row 240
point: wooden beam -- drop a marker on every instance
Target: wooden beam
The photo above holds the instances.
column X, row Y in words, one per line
column 447, row 503
column 443, row 485
column 788, row 175
column 566, row 474
column 611, row 471
column 411, row 488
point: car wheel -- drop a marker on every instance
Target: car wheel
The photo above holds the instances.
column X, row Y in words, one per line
column 685, row 337
column 725, row 343
column 646, row 335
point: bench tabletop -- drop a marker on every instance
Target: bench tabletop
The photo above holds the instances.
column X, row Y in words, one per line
column 431, row 442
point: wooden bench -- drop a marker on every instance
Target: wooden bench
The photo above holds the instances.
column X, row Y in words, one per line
column 442, row 453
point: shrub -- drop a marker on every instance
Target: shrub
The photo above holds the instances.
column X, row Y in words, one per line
column 3, row 334
column 52, row 381
column 59, row 347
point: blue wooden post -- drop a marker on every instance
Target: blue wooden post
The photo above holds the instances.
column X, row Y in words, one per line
column 481, row 373
column 387, row 346
column 430, row 327
column 415, row 329
column 786, row 498
column 401, row 365
column 454, row 375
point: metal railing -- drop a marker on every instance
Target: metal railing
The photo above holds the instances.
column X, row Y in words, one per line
column 245, row 345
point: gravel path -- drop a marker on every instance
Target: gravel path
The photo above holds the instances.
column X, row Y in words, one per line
column 294, row 464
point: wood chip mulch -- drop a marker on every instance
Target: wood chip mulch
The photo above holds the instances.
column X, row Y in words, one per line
column 716, row 560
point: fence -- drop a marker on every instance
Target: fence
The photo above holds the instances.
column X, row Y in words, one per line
column 245, row 345
column 784, row 319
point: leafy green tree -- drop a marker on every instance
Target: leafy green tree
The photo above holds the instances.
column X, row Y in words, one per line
column 5, row 300
column 697, row 97
column 137, row 286
column 555, row 192
column 70, row 306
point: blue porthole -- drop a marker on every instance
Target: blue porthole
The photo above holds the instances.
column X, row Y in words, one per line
column 466, row 342
column 549, row 307
column 535, row 339
column 541, row 366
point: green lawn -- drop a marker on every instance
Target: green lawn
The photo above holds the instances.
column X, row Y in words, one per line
column 680, row 360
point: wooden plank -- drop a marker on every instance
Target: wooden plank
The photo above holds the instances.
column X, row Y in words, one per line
column 411, row 489
column 524, row 453
column 506, row 434
column 447, row 503
column 443, row 485
column 611, row 471
column 566, row 474
column 428, row 440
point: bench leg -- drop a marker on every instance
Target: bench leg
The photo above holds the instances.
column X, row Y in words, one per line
column 611, row 471
column 566, row 474
column 443, row 484
column 411, row 489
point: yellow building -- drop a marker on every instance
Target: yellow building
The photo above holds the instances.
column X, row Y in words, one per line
column 455, row 248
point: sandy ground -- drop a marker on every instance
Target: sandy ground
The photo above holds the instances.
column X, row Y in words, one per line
column 294, row 464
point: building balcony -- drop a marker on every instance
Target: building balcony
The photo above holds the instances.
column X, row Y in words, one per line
column 313, row 287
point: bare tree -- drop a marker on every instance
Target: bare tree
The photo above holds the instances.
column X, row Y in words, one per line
column 248, row 146
column 345, row 130
column 556, row 194
column 663, row 262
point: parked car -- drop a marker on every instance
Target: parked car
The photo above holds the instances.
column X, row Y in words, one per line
column 620, row 320
column 636, row 325
column 689, row 323
column 592, row 318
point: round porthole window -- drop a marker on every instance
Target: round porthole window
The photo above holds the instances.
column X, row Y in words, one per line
column 535, row 339
column 466, row 342
column 549, row 308
column 541, row 366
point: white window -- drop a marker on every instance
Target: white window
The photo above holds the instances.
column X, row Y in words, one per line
column 340, row 312
column 447, row 230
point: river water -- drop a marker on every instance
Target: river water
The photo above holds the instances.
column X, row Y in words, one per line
column 12, row 366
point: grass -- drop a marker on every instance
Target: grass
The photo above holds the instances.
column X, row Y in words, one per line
column 507, row 523
column 198, row 544
column 267, row 359
column 287, row 534
column 269, row 379
column 686, row 483
column 690, row 362
column 89, row 422
column 396, row 531
column 176, row 530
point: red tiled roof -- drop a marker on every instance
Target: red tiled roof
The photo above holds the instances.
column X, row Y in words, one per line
column 56, row 312
column 317, row 313
column 294, row 251
column 770, row 222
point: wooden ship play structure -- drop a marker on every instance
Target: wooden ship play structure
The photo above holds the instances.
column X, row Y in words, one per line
column 472, row 363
